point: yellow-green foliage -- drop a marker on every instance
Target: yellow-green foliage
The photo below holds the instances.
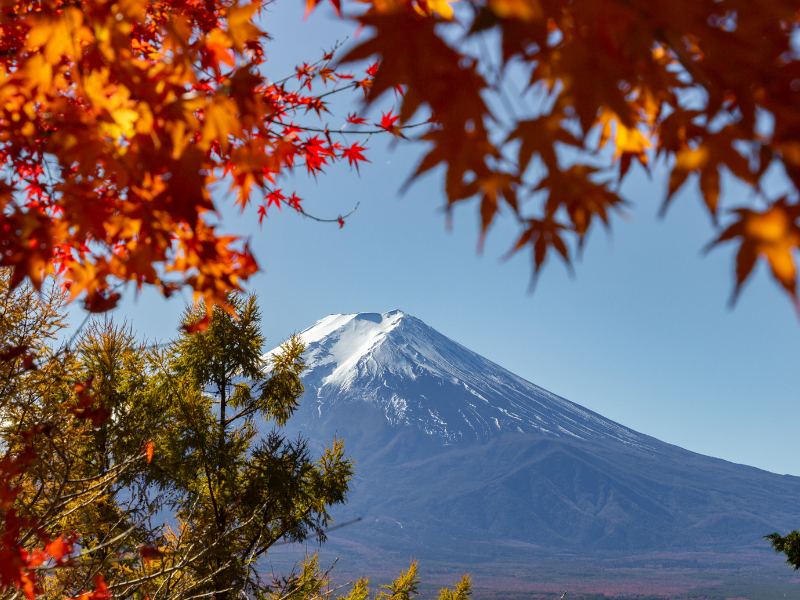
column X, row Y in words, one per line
column 462, row 591
column 152, row 455
column 311, row 583
column 402, row 588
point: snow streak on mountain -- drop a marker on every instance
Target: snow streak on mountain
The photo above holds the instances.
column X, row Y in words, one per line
column 421, row 378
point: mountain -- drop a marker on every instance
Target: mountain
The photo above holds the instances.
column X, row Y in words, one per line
column 461, row 462
column 424, row 380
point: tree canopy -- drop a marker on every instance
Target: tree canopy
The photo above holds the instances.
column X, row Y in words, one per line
column 124, row 124
column 547, row 125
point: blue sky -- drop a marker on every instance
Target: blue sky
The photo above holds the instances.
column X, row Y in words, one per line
column 642, row 334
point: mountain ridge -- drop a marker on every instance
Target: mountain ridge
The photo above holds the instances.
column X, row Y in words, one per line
column 459, row 461
column 397, row 352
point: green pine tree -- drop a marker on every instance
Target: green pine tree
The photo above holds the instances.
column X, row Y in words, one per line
column 235, row 491
column 788, row 545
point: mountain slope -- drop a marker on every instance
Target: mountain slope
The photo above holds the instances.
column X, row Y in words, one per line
column 422, row 379
column 458, row 459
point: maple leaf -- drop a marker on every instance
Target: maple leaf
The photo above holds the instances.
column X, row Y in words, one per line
column 542, row 235
column 219, row 122
column 275, row 197
column 573, row 189
column 305, row 73
column 356, row 120
column 249, row 165
column 295, row 202
column 354, row 154
column 414, row 56
column 388, row 121
column 541, row 136
column 61, row 35
column 327, row 74
column 316, row 154
column 218, row 45
column 493, row 187
column 240, row 25
column 773, row 235
column 462, row 156
column 706, row 159
column 364, row 85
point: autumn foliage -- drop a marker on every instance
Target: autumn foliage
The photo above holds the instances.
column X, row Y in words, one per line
column 557, row 100
column 119, row 120
column 124, row 123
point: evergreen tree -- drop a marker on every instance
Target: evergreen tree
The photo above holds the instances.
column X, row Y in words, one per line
column 234, row 491
column 788, row 545
column 160, row 471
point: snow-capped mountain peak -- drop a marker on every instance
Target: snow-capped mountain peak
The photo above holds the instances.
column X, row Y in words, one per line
column 420, row 378
column 341, row 341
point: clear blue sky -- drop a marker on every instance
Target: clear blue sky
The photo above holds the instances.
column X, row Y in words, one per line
column 642, row 334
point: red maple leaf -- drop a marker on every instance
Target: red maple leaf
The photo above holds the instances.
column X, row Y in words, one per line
column 353, row 154
column 304, row 71
column 355, row 120
column 275, row 197
column 294, row 201
column 316, row 154
column 364, row 84
column 388, row 121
